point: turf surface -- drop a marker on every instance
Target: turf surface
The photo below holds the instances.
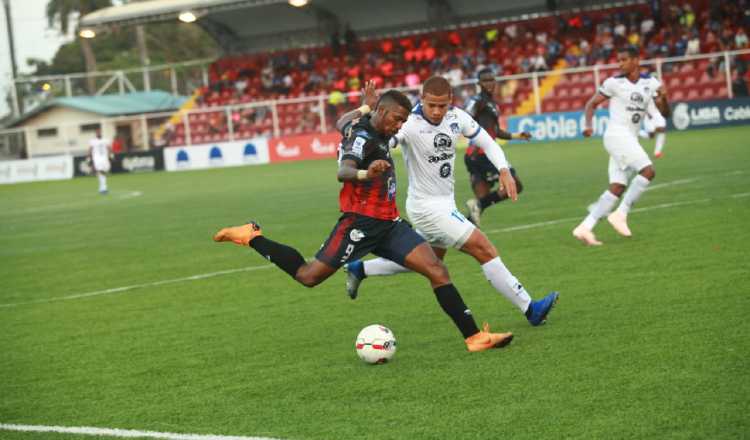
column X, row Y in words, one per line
column 649, row 339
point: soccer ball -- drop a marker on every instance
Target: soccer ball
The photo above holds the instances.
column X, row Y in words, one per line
column 375, row 344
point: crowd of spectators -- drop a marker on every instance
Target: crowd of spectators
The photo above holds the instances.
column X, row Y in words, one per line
column 660, row 28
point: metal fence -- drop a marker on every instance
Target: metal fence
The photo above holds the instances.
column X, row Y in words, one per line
column 705, row 76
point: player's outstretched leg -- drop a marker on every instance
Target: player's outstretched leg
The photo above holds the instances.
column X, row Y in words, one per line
column 284, row 257
column 500, row 277
column 423, row 260
column 638, row 185
column 585, row 230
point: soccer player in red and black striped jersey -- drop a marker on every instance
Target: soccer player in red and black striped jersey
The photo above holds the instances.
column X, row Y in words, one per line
column 370, row 222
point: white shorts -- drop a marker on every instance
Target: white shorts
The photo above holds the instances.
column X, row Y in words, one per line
column 439, row 222
column 653, row 121
column 626, row 157
column 101, row 164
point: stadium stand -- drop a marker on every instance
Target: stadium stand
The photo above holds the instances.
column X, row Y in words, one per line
column 589, row 38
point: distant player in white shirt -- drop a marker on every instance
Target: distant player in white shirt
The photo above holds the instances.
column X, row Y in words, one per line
column 99, row 153
column 631, row 96
column 655, row 126
column 429, row 138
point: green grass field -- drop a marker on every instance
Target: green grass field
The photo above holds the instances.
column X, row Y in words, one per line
column 649, row 339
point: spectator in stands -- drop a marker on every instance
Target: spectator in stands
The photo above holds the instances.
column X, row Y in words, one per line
column 694, row 44
column 308, row 120
column 240, row 86
column 335, row 99
column 740, row 39
column 412, row 79
column 335, row 43
column 350, row 40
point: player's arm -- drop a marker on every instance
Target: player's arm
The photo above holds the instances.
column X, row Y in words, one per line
column 662, row 104
column 370, row 101
column 496, row 156
column 506, row 135
column 350, row 172
column 591, row 104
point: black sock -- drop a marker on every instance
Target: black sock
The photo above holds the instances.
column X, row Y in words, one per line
column 453, row 305
column 490, row 199
column 287, row 258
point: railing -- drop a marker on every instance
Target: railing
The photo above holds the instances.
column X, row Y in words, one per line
column 178, row 78
column 313, row 114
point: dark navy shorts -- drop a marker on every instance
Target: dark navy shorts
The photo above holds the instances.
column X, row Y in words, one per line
column 355, row 236
column 481, row 169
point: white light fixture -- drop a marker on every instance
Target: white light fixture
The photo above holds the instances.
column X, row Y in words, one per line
column 298, row 3
column 87, row 33
column 187, row 17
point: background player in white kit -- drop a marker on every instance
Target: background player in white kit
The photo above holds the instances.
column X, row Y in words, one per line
column 631, row 95
column 99, row 153
column 429, row 139
column 655, row 126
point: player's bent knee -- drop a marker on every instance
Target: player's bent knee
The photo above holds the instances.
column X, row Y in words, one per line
column 438, row 273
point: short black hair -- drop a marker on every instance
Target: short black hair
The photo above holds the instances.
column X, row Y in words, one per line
column 632, row 51
column 393, row 96
column 437, row 85
column 485, row 71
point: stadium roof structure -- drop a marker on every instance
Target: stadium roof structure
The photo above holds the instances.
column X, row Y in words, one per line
column 113, row 105
column 251, row 25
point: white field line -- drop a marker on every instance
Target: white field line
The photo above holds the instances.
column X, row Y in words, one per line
column 267, row 266
column 672, row 183
column 127, row 433
column 139, row 286
column 77, row 204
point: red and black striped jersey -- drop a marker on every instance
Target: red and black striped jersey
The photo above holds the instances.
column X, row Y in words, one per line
column 376, row 197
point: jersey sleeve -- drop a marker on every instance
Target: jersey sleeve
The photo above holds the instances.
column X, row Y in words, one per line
column 656, row 85
column 469, row 127
column 472, row 106
column 354, row 147
column 608, row 87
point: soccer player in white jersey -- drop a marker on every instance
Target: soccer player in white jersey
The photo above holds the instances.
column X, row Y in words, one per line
column 630, row 97
column 99, row 153
column 429, row 139
column 655, row 126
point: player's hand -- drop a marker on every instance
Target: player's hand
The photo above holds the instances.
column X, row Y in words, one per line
column 587, row 132
column 377, row 168
column 369, row 95
column 509, row 183
column 525, row 135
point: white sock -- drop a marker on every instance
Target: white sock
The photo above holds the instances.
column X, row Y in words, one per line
column 504, row 282
column 599, row 209
column 637, row 186
column 660, row 139
column 382, row 266
column 102, row 182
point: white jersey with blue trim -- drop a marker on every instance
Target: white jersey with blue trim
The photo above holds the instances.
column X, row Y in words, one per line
column 628, row 102
column 430, row 151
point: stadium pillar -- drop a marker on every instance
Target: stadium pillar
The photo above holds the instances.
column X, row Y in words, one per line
column 17, row 106
column 728, row 73
column 144, row 133
column 230, row 123
column 537, row 100
column 275, row 119
column 322, row 113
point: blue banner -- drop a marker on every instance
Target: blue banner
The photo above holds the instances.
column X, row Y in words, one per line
column 685, row 116
column 558, row 126
column 706, row 114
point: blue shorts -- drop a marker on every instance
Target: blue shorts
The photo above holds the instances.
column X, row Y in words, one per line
column 355, row 236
